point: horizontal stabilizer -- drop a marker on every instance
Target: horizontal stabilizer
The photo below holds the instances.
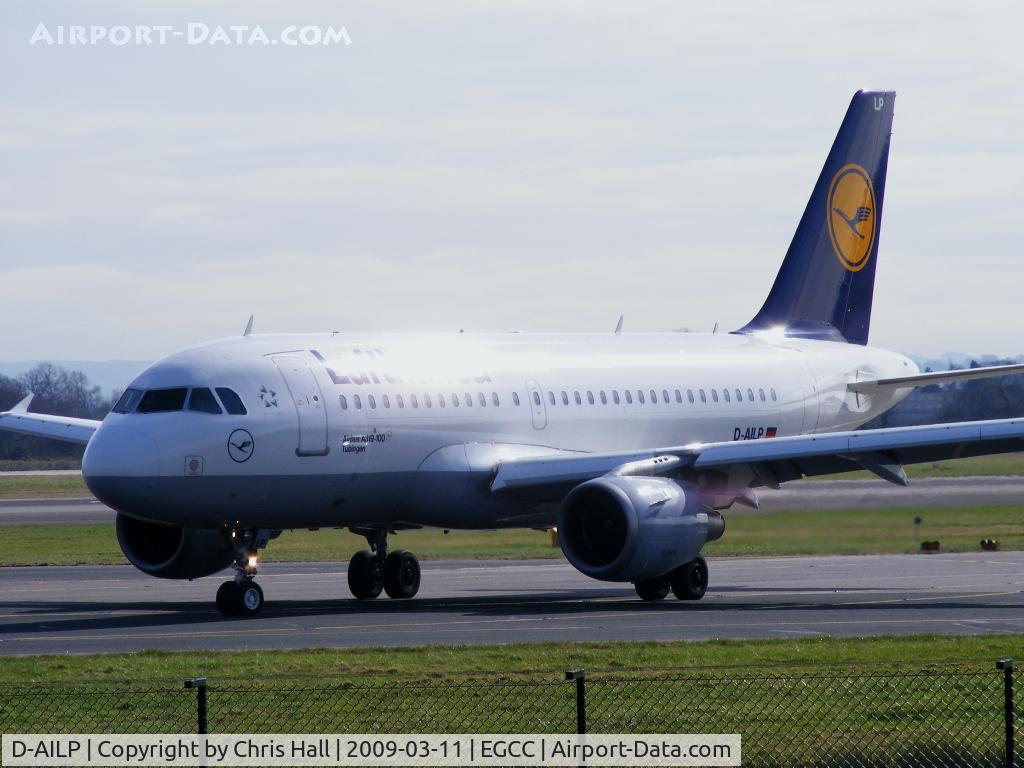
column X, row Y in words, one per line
column 937, row 377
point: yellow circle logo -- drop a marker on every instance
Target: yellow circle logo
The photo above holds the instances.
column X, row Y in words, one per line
column 850, row 214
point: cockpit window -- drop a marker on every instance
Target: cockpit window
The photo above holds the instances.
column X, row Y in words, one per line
column 128, row 401
column 202, row 400
column 232, row 402
column 163, row 400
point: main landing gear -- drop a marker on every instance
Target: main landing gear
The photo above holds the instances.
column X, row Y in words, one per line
column 687, row 582
column 374, row 570
column 242, row 596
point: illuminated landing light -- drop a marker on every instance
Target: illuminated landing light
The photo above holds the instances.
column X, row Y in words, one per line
column 254, row 561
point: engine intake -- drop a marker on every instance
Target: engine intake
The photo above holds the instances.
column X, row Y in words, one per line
column 170, row 552
column 634, row 528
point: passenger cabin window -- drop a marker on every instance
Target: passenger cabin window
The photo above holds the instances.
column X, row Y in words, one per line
column 400, row 401
column 128, row 401
column 565, row 398
column 515, row 398
column 426, row 401
column 415, row 402
column 344, row 402
column 232, row 402
column 654, row 396
column 536, row 398
column 590, row 397
column 739, row 396
column 664, row 396
column 483, row 399
column 386, row 400
column 679, row 396
column 455, row 400
column 750, row 394
column 615, row 396
column 163, row 400
column 689, row 395
column 725, row 394
column 629, row 397
column 774, row 396
column 703, row 397
column 358, row 401
column 440, row 401
column 372, row 401
column 551, row 397
column 576, row 396
column 761, row 393
column 494, row 399
column 202, row 400
column 714, row 395
column 604, row 398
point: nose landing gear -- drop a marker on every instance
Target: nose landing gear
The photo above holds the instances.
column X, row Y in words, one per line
column 242, row 596
column 374, row 570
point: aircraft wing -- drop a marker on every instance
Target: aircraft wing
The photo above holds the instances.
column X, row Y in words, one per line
column 776, row 460
column 65, row 428
column 937, row 377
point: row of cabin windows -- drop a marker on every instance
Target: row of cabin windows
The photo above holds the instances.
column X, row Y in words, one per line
column 428, row 402
column 653, row 396
column 467, row 400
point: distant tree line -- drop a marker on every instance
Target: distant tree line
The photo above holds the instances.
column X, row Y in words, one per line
column 58, row 391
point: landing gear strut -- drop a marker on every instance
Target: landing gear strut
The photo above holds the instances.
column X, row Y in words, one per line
column 687, row 582
column 242, row 596
column 374, row 570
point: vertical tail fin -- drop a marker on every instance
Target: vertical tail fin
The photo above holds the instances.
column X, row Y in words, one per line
column 827, row 279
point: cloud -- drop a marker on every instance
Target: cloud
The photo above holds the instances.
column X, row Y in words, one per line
column 537, row 165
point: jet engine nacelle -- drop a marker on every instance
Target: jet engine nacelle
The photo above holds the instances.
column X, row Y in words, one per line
column 634, row 528
column 170, row 552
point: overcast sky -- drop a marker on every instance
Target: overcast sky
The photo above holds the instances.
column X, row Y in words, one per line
column 493, row 166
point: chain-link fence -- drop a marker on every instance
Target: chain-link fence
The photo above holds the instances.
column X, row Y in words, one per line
column 940, row 717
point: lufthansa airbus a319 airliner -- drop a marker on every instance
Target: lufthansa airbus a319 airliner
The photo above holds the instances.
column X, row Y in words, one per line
column 631, row 444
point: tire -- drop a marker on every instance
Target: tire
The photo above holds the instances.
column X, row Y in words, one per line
column 690, row 581
column 363, row 578
column 248, row 599
column 401, row 575
column 226, row 598
column 653, row 589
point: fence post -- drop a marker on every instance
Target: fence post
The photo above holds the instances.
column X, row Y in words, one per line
column 199, row 683
column 580, row 676
column 1007, row 665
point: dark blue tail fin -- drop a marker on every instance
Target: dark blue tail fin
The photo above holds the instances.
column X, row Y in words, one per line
column 826, row 282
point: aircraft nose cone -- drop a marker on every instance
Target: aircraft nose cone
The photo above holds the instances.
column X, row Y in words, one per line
column 120, row 452
column 116, row 465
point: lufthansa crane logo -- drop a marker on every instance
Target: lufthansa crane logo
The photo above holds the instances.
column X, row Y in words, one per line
column 240, row 445
column 850, row 215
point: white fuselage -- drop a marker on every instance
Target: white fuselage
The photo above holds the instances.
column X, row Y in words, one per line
column 404, row 429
